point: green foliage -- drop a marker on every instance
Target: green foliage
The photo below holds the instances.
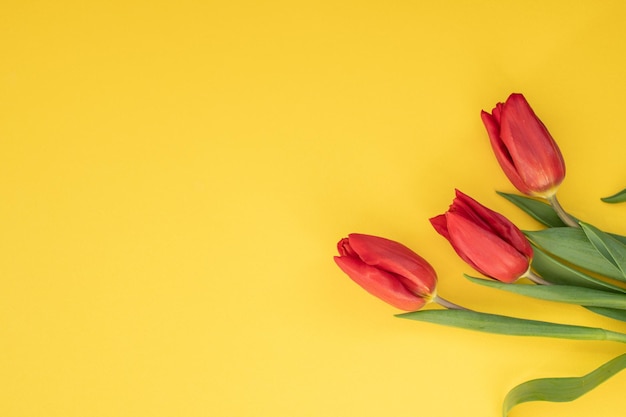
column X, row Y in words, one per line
column 538, row 210
column 560, row 293
column 497, row 324
column 561, row 389
column 573, row 246
column 619, row 197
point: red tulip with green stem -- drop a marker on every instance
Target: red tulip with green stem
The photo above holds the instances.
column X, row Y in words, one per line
column 390, row 271
column 486, row 240
column 526, row 151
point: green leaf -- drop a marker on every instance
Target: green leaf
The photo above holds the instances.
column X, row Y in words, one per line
column 612, row 313
column 616, row 198
column 572, row 245
column 556, row 272
column 619, row 237
column 561, row 389
column 493, row 323
column 542, row 211
column 560, row 293
column 538, row 210
column 612, row 250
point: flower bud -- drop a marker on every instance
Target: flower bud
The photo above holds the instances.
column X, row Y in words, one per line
column 524, row 148
column 486, row 240
column 387, row 270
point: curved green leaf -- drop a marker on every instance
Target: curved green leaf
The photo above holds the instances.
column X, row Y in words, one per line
column 556, row 272
column 542, row 211
column 619, row 237
column 493, row 323
column 561, row 389
column 619, row 197
column 560, row 293
column 538, row 210
column 610, row 248
column 572, row 245
column 611, row 313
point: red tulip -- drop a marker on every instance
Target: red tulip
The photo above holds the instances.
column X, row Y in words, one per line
column 387, row 270
column 524, row 148
column 484, row 239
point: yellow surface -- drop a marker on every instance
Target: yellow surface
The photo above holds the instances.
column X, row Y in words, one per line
column 174, row 177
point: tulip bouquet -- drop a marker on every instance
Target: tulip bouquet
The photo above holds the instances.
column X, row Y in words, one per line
column 569, row 261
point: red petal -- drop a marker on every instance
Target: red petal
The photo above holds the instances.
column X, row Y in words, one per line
column 344, row 249
column 495, row 222
column 440, row 225
column 380, row 284
column 535, row 155
column 501, row 151
column 395, row 258
column 488, row 253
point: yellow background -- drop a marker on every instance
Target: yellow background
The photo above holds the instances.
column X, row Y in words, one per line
column 174, row 177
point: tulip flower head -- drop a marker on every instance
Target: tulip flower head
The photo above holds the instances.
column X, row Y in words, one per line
column 388, row 270
column 524, row 148
column 484, row 239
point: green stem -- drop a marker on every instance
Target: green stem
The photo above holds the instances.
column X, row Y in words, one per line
column 536, row 278
column 448, row 304
column 563, row 215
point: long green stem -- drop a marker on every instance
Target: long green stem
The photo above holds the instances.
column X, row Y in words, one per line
column 563, row 215
column 536, row 278
column 448, row 304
